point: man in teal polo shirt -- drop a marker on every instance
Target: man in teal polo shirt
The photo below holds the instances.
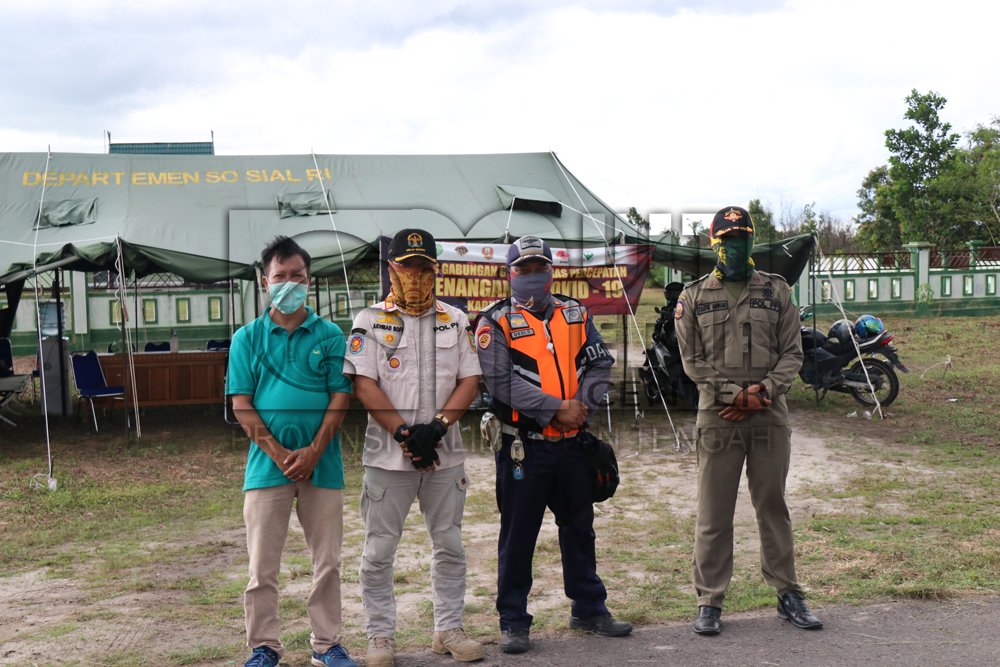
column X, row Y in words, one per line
column 290, row 395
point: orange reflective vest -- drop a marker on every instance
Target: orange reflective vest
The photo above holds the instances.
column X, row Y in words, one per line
column 548, row 354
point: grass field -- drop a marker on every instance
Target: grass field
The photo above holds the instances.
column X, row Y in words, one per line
column 140, row 549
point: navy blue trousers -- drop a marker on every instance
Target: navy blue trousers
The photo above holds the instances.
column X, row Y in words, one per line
column 555, row 476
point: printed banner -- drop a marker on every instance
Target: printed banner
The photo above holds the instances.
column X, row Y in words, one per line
column 472, row 276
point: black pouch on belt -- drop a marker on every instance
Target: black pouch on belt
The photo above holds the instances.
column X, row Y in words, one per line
column 603, row 465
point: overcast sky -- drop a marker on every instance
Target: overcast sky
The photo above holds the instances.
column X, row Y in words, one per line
column 669, row 106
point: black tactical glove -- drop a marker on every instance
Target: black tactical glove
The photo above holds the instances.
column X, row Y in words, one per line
column 423, row 441
column 398, row 434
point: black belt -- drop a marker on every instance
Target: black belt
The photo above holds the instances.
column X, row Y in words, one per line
column 532, row 435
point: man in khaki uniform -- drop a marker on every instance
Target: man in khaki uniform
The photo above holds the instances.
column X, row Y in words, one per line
column 739, row 338
column 416, row 372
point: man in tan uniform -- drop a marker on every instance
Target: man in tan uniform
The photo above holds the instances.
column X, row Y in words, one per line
column 416, row 372
column 739, row 338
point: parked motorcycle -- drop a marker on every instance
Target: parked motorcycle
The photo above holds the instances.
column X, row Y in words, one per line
column 662, row 372
column 832, row 362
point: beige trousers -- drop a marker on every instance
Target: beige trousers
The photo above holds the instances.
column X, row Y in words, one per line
column 266, row 513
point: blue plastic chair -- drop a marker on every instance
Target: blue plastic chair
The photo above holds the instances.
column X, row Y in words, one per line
column 91, row 384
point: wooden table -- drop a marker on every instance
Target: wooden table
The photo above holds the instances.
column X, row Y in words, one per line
column 170, row 378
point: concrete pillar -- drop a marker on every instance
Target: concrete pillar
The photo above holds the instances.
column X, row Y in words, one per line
column 974, row 247
column 920, row 265
column 920, row 261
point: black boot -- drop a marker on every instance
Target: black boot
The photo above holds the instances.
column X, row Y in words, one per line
column 605, row 626
column 514, row 641
column 791, row 607
column 708, row 622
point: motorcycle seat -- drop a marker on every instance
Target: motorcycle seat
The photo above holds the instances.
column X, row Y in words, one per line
column 811, row 338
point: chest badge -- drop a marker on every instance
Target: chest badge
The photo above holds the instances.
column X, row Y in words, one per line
column 517, row 321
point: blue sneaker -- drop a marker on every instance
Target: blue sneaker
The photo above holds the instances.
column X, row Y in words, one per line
column 263, row 656
column 335, row 656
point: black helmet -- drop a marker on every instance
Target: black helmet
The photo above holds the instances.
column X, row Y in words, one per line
column 672, row 290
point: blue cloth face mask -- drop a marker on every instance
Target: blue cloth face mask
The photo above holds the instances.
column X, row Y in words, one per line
column 287, row 297
column 531, row 290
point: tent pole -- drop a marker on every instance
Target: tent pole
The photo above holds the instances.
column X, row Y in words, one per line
column 624, row 355
column 232, row 309
column 62, row 348
column 135, row 306
column 812, row 303
column 256, row 294
column 316, row 296
column 123, row 322
column 329, row 299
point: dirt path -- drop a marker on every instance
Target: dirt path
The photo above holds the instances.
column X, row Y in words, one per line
column 40, row 616
column 904, row 634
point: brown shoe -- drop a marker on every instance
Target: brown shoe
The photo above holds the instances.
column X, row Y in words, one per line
column 381, row 652
column 460, row 645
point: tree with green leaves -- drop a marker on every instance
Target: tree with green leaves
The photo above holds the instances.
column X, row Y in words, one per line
column 918, row 154
column 878, row 228
column 763, row 222
column 971, row 185
column 832, row 234
column 932, row 189
column 640, row 223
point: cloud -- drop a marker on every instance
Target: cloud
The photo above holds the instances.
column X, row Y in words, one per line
column 669, row 106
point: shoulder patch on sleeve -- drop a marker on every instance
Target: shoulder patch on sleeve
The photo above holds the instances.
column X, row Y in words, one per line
column 359, row 330
column 484, row 336
column 356, row 343
column 679, row 309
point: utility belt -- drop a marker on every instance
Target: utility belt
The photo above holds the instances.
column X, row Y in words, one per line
column 493, row 430
column 532, row 435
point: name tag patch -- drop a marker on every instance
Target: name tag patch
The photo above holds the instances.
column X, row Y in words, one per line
column 711, row 307
column 767, row 304
column 521, row 333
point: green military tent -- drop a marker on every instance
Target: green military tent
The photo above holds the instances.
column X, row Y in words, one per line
column 206, row 217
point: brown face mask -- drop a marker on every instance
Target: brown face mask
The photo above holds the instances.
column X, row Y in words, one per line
column 412, row 291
